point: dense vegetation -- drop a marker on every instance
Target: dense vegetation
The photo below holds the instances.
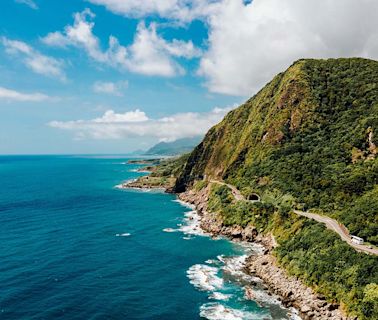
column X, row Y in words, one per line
column 164, row 172
column 325, row 262
column 307, row 250
column 170, row 167
column 240, row 213
column 311, row 133
column 308, row 139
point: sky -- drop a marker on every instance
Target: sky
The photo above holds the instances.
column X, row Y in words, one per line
column 114, row 76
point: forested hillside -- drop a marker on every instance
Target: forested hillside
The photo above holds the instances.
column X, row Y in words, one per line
column 311, row 133
column 307, row 140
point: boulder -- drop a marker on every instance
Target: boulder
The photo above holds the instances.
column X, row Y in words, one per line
column 305, row 309
column 249, row 294
column 249, row 233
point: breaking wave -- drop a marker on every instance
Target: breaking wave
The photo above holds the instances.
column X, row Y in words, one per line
column 204, row 277
column 217, row 311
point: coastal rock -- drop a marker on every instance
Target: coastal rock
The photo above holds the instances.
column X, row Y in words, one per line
column 292, row 292
column 249, row 294
column 249, row 233
column 305, row 309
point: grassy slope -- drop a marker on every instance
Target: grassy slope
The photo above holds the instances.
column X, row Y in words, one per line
column 306, row 139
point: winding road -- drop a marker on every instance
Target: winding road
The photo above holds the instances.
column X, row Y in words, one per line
column 340, row 229
column 235, row 191
column 330, row 223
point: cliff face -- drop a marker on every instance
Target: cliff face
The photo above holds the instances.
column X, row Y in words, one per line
column 311, row 133
column 254, row 128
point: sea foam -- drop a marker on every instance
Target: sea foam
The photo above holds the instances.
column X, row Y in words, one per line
column 217, row 311
column 262, row 297
column 234, row 266
column 185, row 204
column 126, row 234
column 204, row 277
column 191, row 224
column 220, row 296
column 124, row 183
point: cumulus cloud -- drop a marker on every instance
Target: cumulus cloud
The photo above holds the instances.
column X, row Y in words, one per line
column 13, row 95
column 112, row 88
column 136, row 123
column 131, row 116
column 149, row 54
column 29, row 3
column 152, row 55
column 180, row 10
column 251, row 42
column 34, row 60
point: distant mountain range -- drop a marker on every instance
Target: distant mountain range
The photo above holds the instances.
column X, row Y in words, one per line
column 174, row 148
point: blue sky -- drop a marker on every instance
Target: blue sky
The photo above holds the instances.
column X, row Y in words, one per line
column 112, row 76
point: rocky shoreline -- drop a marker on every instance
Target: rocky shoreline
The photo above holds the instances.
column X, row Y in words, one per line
column 292, row 292
column 148, row 183
column 140, row 186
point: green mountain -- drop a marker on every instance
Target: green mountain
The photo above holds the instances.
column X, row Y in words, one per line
column 177, row 147
column 307, row 140
column 311, row 132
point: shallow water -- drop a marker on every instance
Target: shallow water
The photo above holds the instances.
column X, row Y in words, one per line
column 72, row 246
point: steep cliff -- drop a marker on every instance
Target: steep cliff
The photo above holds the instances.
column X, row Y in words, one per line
column 310, row 133
column 307, row 140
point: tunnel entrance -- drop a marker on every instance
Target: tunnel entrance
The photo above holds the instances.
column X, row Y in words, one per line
column 253, row 197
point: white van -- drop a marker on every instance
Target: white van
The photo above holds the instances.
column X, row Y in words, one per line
column 357, row 240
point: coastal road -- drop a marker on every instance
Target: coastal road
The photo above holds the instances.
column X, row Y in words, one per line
column 341, row 230
column 330, row 223
column 235, row 192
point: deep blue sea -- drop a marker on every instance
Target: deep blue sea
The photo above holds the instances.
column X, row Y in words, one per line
column 73, row 246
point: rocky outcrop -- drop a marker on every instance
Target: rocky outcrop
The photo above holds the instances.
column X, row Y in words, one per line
column 150, row 182
column 212, row 223
column 372, row 146
column 141, row 185
column 249, row 293
column 291, row 290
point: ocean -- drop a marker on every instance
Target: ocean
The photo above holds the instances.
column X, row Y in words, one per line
column 74, row 246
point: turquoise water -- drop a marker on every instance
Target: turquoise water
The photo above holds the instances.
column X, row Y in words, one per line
column 72, row 246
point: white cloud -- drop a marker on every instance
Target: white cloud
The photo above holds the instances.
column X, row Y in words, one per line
column 34, row 60
column 180, row 10
column 112, row 88
column 251, row 42
column 56, row 39
column 131, row 116
column 12, row 95
column 29, row 3
column 149, row 54
column 136, row 124
column 80, row 35
column 152, row 55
